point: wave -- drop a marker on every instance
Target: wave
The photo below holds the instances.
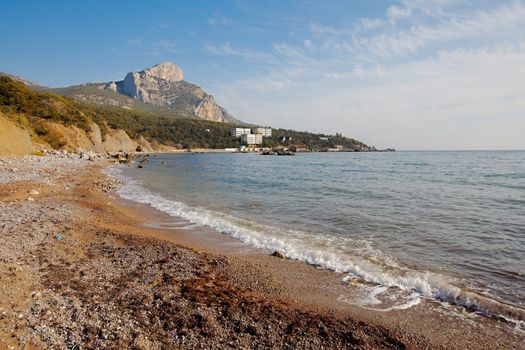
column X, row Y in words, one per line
column 357, row 259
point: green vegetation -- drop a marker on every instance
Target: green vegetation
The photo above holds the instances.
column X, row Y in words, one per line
column 16, row 98
column 31, row 109
column 182, row 132
column 314, row 142
column 93, row 95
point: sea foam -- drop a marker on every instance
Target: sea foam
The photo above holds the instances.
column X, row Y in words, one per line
column 355, row 258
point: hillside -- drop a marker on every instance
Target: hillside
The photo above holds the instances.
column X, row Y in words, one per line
column 160, row 89
column 95, row 94
column 59, row 122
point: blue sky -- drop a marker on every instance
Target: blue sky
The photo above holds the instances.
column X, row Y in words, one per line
column 410, row 74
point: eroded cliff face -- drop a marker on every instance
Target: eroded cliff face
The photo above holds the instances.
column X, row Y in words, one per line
column 164, row 85
column 209, row 110
column 16, row 140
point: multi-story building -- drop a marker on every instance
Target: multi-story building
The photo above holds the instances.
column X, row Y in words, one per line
column 251, row 139
column 265, row 132
column 238, row 132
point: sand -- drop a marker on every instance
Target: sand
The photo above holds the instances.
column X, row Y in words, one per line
column 81, row 268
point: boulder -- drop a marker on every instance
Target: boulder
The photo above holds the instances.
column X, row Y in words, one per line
column 278, row 254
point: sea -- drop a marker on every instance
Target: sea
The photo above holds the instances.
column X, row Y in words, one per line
column 409, row 225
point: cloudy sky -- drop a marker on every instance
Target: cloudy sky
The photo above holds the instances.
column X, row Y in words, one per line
column 409, row 74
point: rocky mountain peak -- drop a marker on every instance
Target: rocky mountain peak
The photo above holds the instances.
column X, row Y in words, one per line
column 165, row 71
column 163, row 85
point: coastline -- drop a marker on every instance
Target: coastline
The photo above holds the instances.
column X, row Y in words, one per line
column 124, row 275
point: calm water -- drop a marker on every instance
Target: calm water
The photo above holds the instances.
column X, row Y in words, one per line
column 446, row 225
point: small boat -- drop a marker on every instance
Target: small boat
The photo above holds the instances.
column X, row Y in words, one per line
column 268, row 153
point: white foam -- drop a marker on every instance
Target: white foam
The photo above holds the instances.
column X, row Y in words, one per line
column 356, row 258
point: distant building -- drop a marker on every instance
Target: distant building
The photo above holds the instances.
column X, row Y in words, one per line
column 251, row 139
column 323, row 138
column 238, row 132
column 265, row 132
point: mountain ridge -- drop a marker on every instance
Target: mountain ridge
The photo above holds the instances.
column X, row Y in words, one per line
column 47, row 120
column 159, row 89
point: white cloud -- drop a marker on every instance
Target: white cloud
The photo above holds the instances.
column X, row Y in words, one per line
column 395, row 12
column 218, row 20
column 228, row 50
column 371, row 23
column 454, row 81
column 504, row 23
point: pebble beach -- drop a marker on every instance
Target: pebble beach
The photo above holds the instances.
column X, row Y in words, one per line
column 80, row 270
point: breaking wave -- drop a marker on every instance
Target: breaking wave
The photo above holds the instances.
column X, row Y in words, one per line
column 357, row 259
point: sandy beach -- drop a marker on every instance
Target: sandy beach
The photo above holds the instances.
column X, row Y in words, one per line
column 81, row 268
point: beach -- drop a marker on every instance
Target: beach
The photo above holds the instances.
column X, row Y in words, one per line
column 83, row 268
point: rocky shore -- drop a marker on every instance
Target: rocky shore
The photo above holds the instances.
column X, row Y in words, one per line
column 74, row 274
column 78, row 271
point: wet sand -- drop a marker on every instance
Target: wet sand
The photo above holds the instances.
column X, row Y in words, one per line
column 124, row 275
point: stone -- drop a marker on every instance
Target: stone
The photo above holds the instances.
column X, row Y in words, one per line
column 278, row 254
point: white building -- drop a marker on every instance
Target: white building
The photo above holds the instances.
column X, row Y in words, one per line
column 265, row 132
column 251, row 139
column 238, row 132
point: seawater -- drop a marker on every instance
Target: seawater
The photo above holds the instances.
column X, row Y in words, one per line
column 448, row 225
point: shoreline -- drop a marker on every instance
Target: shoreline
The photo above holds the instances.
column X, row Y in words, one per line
column 110, row 246
column 334, row 296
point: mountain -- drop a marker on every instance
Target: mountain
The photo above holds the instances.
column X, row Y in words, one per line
column 31, row 120
column 160, row 89
column 20, row 80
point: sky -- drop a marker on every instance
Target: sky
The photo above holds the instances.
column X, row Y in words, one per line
column 408, row 74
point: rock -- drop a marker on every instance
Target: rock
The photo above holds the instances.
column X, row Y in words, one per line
column 88, row 155
column 278, row 254
column 209, row 110
column 143, row 343
column 163, row 85
column 165, row 71
column 34, row 192
column 112, row 86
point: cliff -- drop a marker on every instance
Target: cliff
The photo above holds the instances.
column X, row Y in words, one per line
column 160, row 89
column 30, row 121
column 163, row 85
column 14, row 140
